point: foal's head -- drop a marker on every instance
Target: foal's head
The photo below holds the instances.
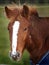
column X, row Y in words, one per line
column 18, row 30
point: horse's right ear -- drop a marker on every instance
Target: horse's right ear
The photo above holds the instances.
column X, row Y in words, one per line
column 8, row 12
column 25, row 11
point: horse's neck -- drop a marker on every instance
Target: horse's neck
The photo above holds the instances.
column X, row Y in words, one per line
column 35, row 52
column 36, row 44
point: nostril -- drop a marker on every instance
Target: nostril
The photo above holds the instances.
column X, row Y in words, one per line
column 18, row 54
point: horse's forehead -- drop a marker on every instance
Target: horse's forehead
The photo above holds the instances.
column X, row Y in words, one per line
column 23, row 21
column 16, row 24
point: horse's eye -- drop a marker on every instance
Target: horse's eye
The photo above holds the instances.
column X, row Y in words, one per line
column 25, row 29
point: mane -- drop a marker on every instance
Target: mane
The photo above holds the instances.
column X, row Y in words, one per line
column 33, row 11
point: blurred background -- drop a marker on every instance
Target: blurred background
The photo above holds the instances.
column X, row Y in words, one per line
column 25, row 1
column 42, row 7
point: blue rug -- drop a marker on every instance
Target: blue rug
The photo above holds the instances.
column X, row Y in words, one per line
column 43, row 61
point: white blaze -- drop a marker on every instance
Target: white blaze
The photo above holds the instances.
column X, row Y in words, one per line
column 14, row 36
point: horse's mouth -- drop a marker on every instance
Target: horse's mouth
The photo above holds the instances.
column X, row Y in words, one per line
column 16, row 57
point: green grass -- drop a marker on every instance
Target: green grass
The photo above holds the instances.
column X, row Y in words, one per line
column 4, row 38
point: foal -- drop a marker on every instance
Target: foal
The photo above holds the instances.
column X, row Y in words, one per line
column 28, row 31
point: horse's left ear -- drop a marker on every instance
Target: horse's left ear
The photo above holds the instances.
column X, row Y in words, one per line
column 25, row 11
column 11, row 13
column 8, row 12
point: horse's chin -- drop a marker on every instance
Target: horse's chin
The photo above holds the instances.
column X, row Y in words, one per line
column 18, row 59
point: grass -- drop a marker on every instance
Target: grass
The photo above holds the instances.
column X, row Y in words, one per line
column 4, row 38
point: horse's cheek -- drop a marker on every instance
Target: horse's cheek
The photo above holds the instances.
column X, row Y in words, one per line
column 25, row 35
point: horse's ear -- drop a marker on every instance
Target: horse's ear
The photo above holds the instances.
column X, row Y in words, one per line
column 25, row 11
column 8, row 12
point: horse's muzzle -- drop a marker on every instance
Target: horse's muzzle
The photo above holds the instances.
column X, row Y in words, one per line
column 15, row 56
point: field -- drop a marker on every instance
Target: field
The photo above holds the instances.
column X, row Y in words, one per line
column 4, row 38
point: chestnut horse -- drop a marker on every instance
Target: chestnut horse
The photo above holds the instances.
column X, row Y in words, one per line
column 28, row 31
